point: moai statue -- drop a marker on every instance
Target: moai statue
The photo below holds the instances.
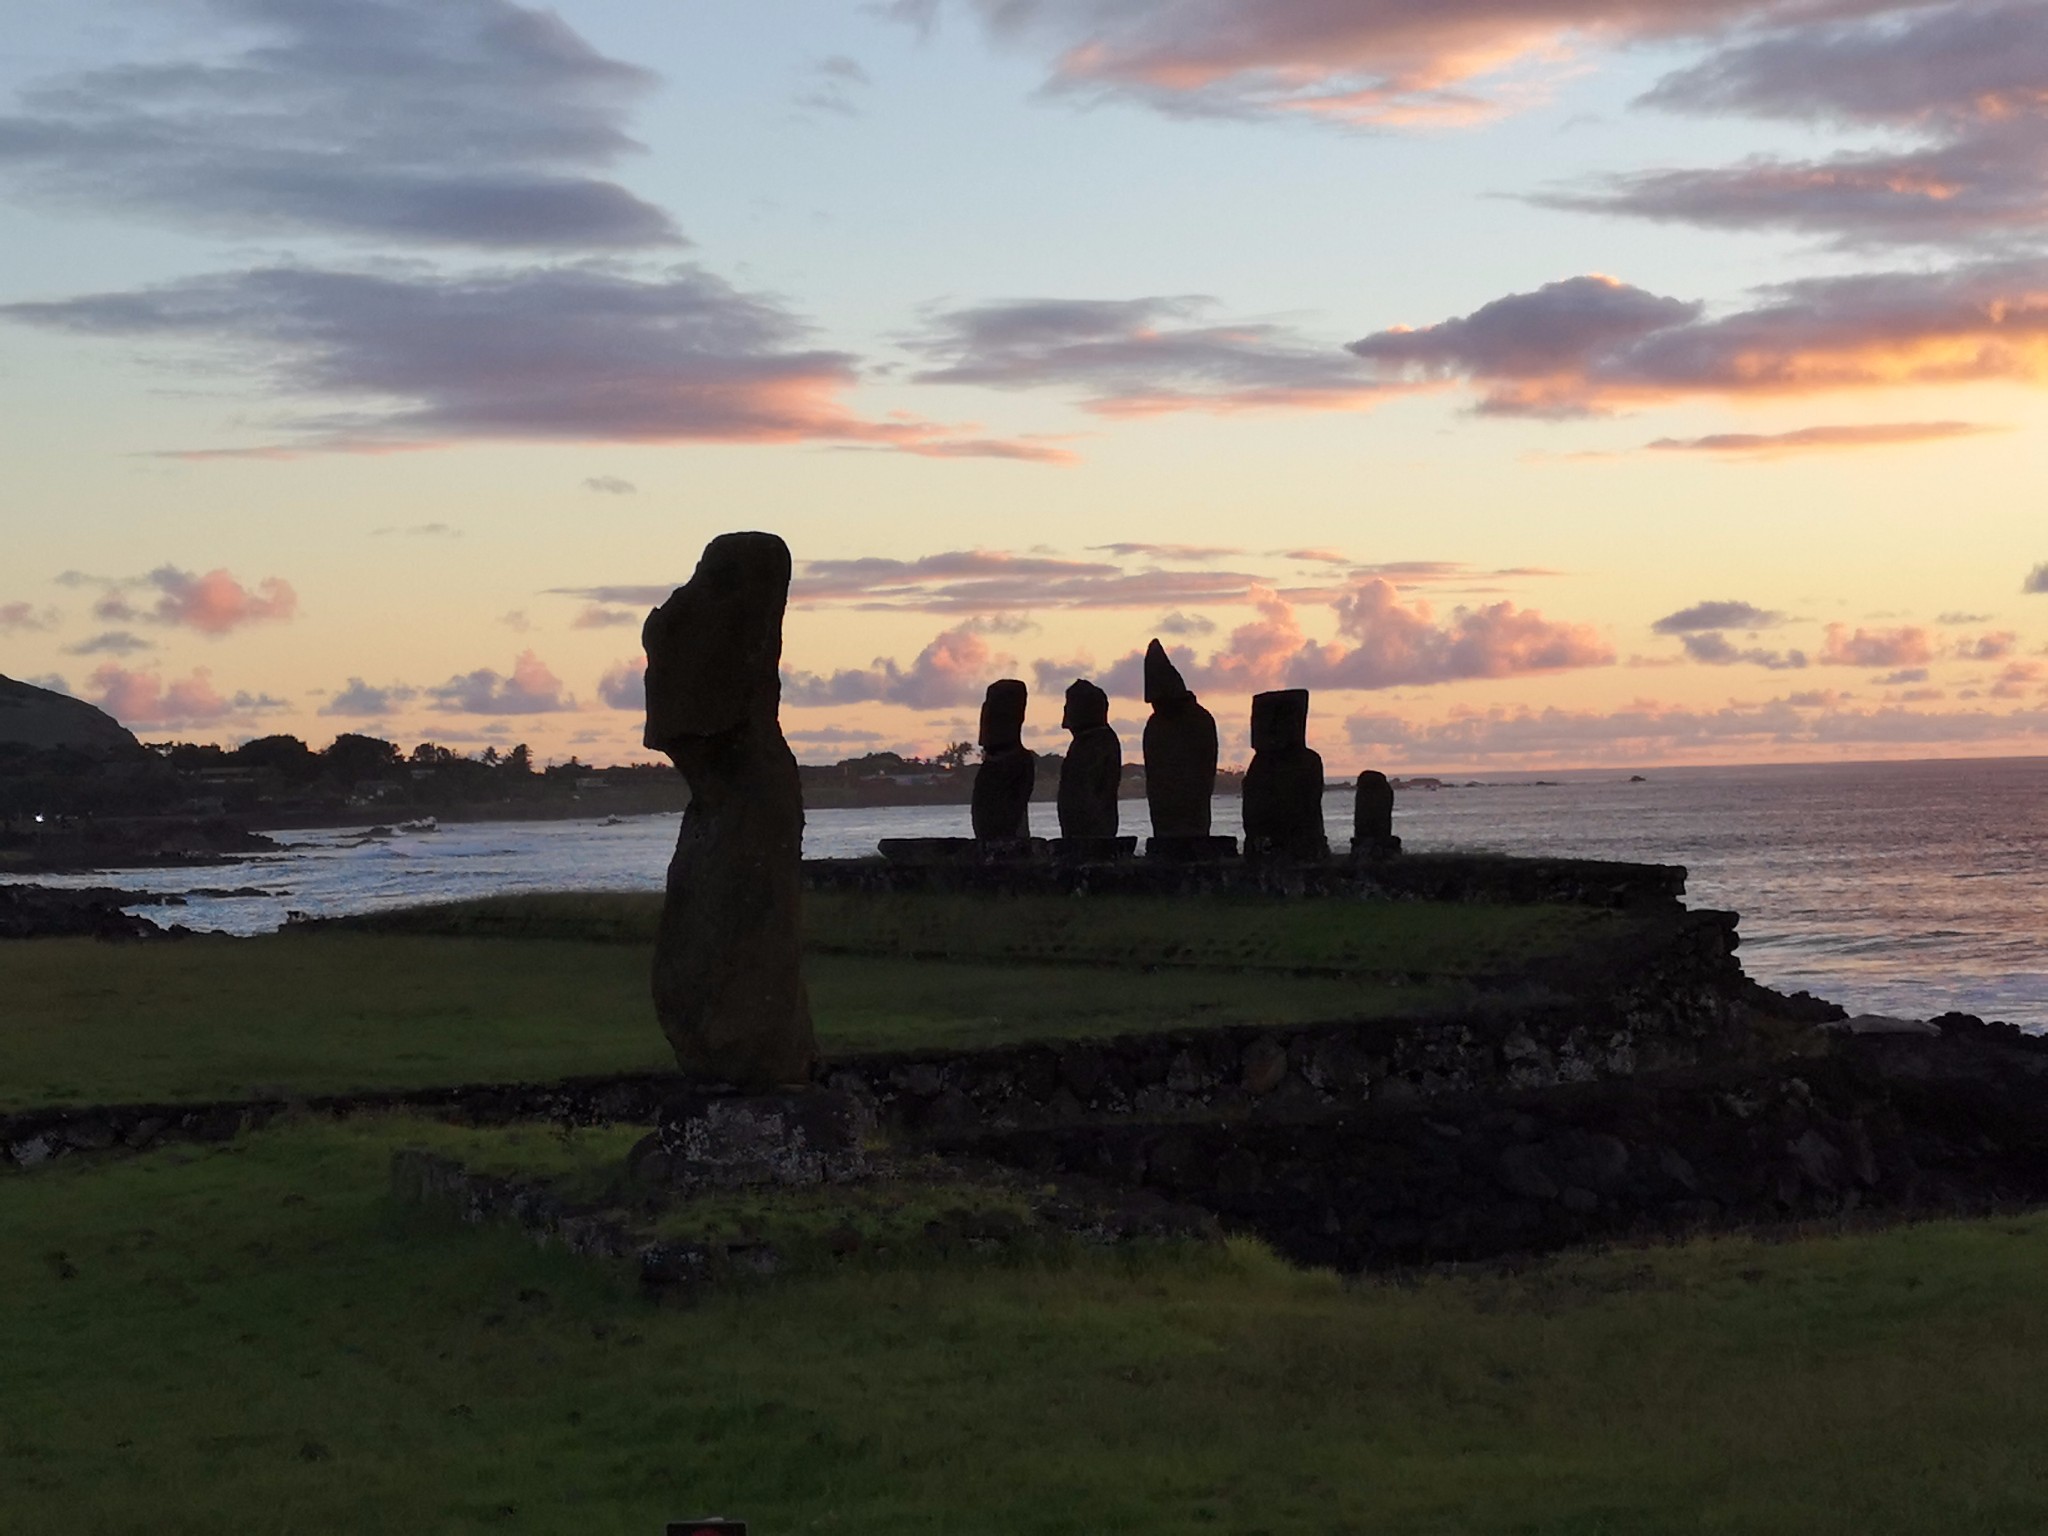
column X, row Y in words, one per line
column 1001, row 806
column 1180, row 751
column 728, row 982
column 1372, row 829
column 1283, row 787
column 1094, row 765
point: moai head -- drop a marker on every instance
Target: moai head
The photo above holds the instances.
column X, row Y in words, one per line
column 1087, row 707
column 713, row 647
column 1280, row 720
column 1164, row 686
column 1002, row 715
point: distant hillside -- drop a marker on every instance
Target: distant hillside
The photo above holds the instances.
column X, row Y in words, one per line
column 36, row 717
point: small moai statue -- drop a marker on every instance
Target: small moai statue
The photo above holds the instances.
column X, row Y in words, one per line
column 1372, row 829
column 1180, row 751
column 1094, row 765
column 1283, row 787
column 1001, row 803
column 728, row 977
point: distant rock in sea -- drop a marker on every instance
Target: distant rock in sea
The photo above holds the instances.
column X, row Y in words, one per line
column 42, row 719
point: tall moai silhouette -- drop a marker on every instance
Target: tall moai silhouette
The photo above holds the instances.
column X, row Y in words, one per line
column 1372, row 826
column 728, row 977
column 1283, row 787
column 1180, row 751
column 1000, row 807
column 1094, row 765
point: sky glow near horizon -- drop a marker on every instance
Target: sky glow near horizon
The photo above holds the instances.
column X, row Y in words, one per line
column 1588, row 382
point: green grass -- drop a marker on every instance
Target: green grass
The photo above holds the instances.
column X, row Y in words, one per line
column 251, row 1338
column 1227, row 932
column 329, row 1012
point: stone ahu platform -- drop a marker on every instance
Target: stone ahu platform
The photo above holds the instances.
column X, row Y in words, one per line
column 1042, row 867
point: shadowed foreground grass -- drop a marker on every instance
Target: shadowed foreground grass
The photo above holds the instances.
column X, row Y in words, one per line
column 327, row 1012
column 250, row 1338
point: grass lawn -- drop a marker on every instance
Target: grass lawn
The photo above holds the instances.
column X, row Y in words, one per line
column 1223, row 932
column 85, row 1022
column 251, row 1338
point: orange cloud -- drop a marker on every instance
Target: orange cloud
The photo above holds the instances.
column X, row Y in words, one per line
column 1909, row 646
column 1771, row 445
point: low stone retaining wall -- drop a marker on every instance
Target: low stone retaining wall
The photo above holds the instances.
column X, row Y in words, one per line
column 1406, row 877
column 1941, row 1125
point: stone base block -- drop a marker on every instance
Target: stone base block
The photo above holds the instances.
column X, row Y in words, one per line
column 1093, row 850
column 1190, row 850
column 1370, row 850
column 930, row 851
column 725, row 1141
column 1300, row 850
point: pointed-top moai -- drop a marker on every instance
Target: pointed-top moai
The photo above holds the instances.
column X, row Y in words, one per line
column 1093, row 768
column 728, row 980
column 1001, row 802
column 1283, row 787
column 1180, row 751
column 1372, row 828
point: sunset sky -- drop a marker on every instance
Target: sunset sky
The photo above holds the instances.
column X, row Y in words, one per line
column 1544, row 383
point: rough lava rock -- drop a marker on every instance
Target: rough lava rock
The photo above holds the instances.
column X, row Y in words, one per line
column 1283, row 787
column 728, row 980
column 1001, row 803
column 1093, row 768
column 1180, row 751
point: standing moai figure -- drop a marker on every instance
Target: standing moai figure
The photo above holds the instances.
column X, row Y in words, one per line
column 1180, row 751
column 1001, row 803
column 728, row 979
column 1283, row 787
column 1372, row 828
column 1093, row 768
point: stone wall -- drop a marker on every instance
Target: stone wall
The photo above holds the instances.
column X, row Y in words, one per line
column 1409, row 877
column 1941, row 1125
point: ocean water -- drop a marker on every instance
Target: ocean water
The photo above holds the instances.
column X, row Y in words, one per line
column 1904, row 888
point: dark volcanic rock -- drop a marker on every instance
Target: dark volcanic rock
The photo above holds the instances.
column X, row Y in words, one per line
column 1372, row 829
column 40, row 912
column 1001, row 808
column 1283, row 787
column 1094, row 765
column 1180, row 751
column 728, row 983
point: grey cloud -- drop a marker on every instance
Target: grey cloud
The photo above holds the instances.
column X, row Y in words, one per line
column 17, row 617
column 833, row 82
column 419, row 531
column 462, row 122
column 610, row 485
column 595, row 616
column 1959, row 617
column 1182, row 625
column 114, row 642
column 1133, row 357
column 1714, row 649
column 1532, row 350
column 574, row 353
column 1724, row 614
column 1962, row 78
column 360, row 700
column 1591, row 343
column 2037, row 580
column 1194, row 554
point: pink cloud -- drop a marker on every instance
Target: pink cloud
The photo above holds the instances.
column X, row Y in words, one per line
column 1771, row 445
column 531, row 689
column 16, row 617
column 1383, row 63
column 216, row 602
column 142, row 698
column 954, row 669
column 1909, row 646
